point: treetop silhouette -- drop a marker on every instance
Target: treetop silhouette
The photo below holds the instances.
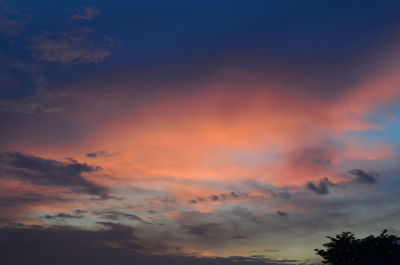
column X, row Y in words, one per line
column 346, row 249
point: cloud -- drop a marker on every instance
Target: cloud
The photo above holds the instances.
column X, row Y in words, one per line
column 27, row 107
column 87, row 13
column 322, row 188
column 13, row 207
column 311, row 157
column 190, row 140
column 221, row 197
column 62, row 216
column 248, row 215
column 267, row 189
column 116, row 215
column 204, row 230
column 282, row 214
column 76, row 214
column 12, row 23
column 281, row 194
column 99, row 154
column 27, row 198
column 47, row 172
column 81, row 45
column 23, row 88
column 267, row 193
column 363, row 177
column 117, row 244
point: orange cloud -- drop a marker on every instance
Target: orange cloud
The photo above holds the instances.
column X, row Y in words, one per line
column 219, row 135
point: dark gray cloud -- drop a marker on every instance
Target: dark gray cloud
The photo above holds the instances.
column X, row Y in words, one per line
column 204, row 230
column 282, row 214
column 117, row 244
column 116, row 215
column 98, row 154
column 27, row 198
column 322, row 188
column 62, row 216
column 220, row 197
column 47, row 172
column 363, row 177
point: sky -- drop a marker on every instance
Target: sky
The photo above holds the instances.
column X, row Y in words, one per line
column 204, row 132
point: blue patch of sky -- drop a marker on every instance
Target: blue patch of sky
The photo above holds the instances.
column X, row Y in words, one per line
column 390, row 121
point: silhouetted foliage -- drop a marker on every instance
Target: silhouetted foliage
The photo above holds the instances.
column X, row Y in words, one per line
column 346, row 249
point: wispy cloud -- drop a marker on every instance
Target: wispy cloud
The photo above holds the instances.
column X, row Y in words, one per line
column 86, row 13
column 81, row 45
column 16, row 78
column 12, row 22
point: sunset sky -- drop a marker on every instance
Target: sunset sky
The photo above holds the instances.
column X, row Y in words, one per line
column 196, row 132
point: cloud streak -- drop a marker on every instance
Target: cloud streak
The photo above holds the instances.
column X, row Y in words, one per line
column 80, row 45
column 87, row 13
column 47, row 172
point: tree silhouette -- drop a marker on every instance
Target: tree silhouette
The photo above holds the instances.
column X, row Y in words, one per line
column 345, row 249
